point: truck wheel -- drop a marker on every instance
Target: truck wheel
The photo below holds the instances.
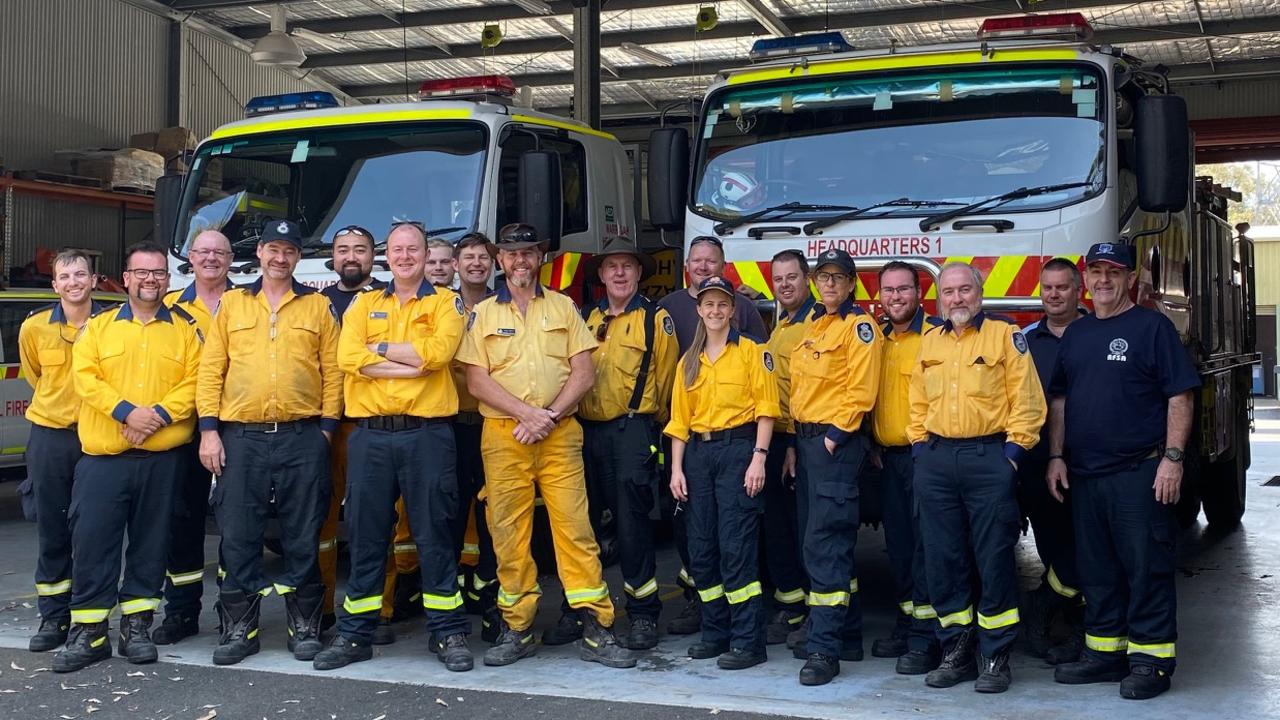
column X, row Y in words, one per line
column 1188, row 508
column 1223, row 486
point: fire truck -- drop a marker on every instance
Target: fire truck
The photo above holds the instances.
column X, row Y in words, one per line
column 1025, row 144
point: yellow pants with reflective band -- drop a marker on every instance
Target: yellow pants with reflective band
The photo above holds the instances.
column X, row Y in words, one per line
column 554, row 468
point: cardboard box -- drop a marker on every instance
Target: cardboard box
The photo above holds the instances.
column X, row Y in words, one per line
column 128, row 168
column 168, row 142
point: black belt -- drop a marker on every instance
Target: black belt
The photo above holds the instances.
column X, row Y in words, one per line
column 894, row 449
column 136, row 453
column 647, row 417
column 980, row 440
column 809, row 430
column 398, row 423
column 469, row 417
column 271, row 428
column 747, row 432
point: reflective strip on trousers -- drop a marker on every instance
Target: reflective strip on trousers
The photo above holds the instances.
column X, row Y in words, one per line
column 643, row 591
column 924, row 612
column 712, row 593
column 506, row 599
column 964, row 617
column 283, row 589
column 829, row 599
column 1160, row 650
column 327, row 545
column 1105, row 644
column 907, row 607
column 137, row 605
column 51, row 589
column 470, row 549
column 373, row 603
column 441, row 602
column 1001, row 620
column 1064, row 590
column 853, row 585
column 744, row 593
column 587, row 594
column 404, row 548
column 86, row 617
column 189, row 578
column 686, row 578
column 789, row 597
column 480, row 583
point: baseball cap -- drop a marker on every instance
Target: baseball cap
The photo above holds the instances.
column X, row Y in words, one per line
column 518, row 236
column 716, row 283
column 615, row 245
column 1111, row 253
column 281, row 231
column 837, row 257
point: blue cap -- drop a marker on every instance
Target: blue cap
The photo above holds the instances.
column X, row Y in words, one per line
column 281, row 231
column 837, row 257
column 715, row 282
column 1113, row 254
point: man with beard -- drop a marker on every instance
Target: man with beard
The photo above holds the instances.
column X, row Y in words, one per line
column 53, row 448
column 1055, row 542
column 393, row 346
column 1123, row 401
column 210, row 256
column 976, row 409
column 269, row 399
column 439, row 266
column 781, row 533
column 135, row 372
column 473, row 261
column 913, row 640
column 705, row 259
column 528, row 354
column 353, row 261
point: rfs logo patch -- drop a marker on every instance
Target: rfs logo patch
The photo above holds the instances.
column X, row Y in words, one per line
column 768, row 361
column 865, row 333
column 1117, row 349
column 1020, row 343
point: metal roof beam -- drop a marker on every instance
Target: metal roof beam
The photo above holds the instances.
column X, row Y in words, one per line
column 189, row 5
column 766, row 17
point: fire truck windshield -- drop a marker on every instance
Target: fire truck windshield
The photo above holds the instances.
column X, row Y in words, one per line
column 951, row 136
column 328, row 178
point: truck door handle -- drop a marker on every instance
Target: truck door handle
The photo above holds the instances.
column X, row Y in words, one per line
column 997, row 224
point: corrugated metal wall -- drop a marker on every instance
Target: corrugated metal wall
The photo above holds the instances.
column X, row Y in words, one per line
column 1236, row 98
column 220, row 80
column 1266, row 272
column 52, row 223
column 75, row 74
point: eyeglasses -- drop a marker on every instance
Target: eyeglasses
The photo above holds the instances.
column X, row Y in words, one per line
column 357, row 230
column 211, row 253
column 707, row 239
column 141, row 274
column 900, row 290
column 518, row 234
column 826, row 277
column 603, row 330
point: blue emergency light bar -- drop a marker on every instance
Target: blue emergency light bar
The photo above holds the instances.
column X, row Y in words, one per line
column 816, row 43
column 268, row 104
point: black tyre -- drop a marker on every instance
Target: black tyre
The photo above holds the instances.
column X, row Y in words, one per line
column 1222, row 487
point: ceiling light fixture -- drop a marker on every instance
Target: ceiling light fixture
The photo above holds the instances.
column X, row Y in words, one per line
column 533, row 7
column 645, row 53
column 276, row 47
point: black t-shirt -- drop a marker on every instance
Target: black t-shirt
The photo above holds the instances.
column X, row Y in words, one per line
column 683, row 309
column 1117, row 375
column 341, row 298
column 1044, row 353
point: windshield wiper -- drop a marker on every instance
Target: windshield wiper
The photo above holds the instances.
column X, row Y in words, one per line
column 785, row 208
column 817, row 225
column 930, row 222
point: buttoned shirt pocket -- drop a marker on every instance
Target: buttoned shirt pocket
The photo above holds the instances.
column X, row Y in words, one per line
column 934, row 378
column 304, row 338
column 981, row 375
column 499, row 347
column 240, row 337
column 54, row 356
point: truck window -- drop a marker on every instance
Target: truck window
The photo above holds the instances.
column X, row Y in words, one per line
column 11, row 316
column 573, row 178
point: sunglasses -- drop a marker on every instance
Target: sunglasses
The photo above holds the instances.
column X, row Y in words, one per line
column 707, row 239
column 519, row 235
column 354, row 230
column 602, row 330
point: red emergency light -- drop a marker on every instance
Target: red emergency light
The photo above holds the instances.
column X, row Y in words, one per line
column 499, row 85
column 1051, row 25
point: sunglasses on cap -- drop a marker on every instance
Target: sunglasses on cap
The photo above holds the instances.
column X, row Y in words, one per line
column 707, row 239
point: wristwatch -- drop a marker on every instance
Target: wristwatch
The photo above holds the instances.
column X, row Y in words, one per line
column 1174, row 454
column 382, row 348
column 762, row 451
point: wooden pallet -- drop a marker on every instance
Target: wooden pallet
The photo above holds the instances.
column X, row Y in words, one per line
column 60, row 178
column 132, row 190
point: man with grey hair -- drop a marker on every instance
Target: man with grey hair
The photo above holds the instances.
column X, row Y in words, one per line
column 976, row 408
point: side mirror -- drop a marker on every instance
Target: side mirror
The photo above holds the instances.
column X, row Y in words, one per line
column 1164, row 153
column 668, row 178
column 165, row 213
column 540, row 202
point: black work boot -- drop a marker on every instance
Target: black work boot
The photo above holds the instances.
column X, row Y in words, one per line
column 51, row 635
column 384, row 634
column 598, row 644
column 918, row 662
column 1144, row 682
column 957, row 664
column 741, row 659
column 328, row 621
column 706, row 650
column 1070, row 649
column 238, row 612
column 1041, row 605
column 176, row 626
column 1092, row 669
column 490, row 624
column 994, row 673
column 851, row 650
column 643, row 634
column 342, row 651
column 86, row 644
column 893, row 646
column 135, row 638
column 511, row 646
column 689, row 621
column 798, row 637
column 302, row 608
column 407, row 601
column 781, row 625
column 819, row 669
column 455, row 654
column 567, row 630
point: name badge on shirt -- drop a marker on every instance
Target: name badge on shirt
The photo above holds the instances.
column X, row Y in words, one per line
column 506, row 331
column 377, row 315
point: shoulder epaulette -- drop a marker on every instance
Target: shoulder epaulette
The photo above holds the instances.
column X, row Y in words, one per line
column 933, row 328
column 934, row 321
column 42, row 308
column 104, row 311
column 180, row 312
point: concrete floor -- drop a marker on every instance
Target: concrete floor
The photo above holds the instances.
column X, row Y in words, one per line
column 1229, row 648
